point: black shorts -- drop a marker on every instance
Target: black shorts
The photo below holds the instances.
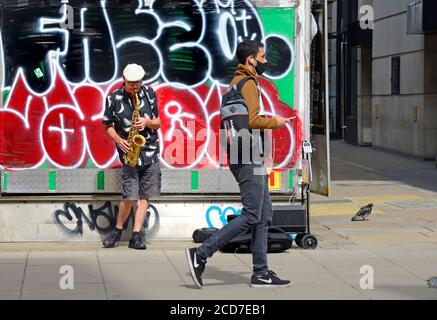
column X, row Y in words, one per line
column 141, row 182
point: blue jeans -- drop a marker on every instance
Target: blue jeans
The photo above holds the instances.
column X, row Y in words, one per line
column 256, row 214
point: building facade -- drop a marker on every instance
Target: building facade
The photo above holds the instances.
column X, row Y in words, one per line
column 383, row 74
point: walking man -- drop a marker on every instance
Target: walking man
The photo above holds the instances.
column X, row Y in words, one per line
column 257, row 207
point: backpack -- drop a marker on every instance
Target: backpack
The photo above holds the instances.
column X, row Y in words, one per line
column 200, row 235
column 234, row 123
column 278, row 240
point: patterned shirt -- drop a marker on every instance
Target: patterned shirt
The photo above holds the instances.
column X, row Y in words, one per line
column 119, row 110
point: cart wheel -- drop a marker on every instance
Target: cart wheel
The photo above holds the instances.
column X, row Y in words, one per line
column 298, row 240
column 309, row 242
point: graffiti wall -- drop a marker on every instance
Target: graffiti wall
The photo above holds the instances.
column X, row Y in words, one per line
column 217, row 215
column 59, row 62
column 72, row 219
column 80, row 220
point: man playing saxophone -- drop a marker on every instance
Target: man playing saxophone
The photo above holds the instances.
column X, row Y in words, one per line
column 132, row 120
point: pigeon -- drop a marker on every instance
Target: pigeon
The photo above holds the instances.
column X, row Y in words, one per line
column 363, row 213
column 432, row 282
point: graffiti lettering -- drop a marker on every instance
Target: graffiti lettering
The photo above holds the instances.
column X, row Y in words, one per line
column 103, row 219
column 217, row 217
column 56, row 78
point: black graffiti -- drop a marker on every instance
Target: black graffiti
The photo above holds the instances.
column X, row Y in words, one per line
column 175, row 40
column 103, row 219
column 187, row 64
column 101, row 53
column 25, row 46
column 279, row 55
column 247, row 28
column 126, row 23
column 31, row 31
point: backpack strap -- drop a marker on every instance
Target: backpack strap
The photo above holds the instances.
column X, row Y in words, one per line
column 241, row 83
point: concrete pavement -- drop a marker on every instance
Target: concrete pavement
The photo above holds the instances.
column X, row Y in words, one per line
column 398, row 245
column 399, row 272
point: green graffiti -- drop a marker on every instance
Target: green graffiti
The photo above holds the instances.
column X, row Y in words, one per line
column 280, row 21
column 90, row 164
column 182, row 61
column 45, row 165
column 5, row 96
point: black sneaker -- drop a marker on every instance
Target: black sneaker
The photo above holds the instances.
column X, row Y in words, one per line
column 268, row 280
column 136, row 242
column 112, row 238
column 197, row 266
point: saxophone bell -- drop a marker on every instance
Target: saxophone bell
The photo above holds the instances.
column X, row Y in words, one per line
column 139, row 140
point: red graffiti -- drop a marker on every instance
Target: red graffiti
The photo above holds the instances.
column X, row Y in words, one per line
column 63, row 128
column 20, row 145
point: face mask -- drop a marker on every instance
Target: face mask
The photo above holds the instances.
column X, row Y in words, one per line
column 260, row 67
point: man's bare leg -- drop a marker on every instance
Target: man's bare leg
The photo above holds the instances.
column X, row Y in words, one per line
column 140, row 214
column 123, row 213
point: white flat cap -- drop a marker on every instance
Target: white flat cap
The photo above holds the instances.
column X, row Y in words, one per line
column 134, row 72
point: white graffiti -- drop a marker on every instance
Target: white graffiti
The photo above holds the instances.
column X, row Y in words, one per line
column 228, row 19
column 228, row 42
column 62, row 21
column 223, row 35
column 62, row 130
column 177, row 117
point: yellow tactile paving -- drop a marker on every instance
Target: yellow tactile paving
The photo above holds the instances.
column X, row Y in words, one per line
column 357, row 202
column 379, row 200
column 338, row 209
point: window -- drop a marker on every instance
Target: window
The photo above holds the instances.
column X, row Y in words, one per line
column 395, row 75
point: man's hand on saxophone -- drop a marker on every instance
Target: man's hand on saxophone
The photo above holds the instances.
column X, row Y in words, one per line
column 145, row 122
column 124, row 145
column 141, row 124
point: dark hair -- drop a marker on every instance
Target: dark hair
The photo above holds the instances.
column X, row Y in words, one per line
column 248, row 48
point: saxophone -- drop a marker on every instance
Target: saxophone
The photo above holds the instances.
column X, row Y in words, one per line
column 136, row 141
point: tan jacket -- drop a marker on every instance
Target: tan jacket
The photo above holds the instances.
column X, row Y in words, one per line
column 251, row 95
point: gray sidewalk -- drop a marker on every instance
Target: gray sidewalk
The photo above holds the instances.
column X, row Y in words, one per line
column 399, row 243
column 399, row 273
